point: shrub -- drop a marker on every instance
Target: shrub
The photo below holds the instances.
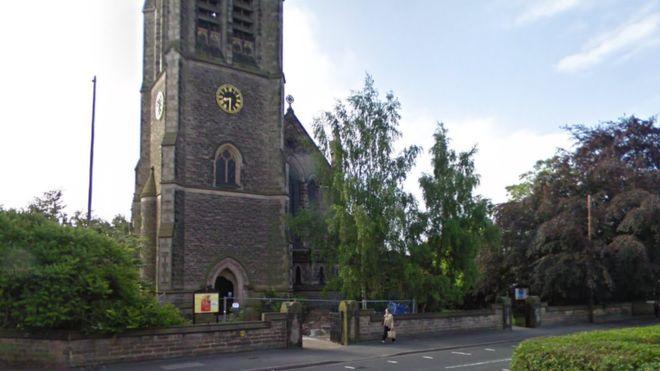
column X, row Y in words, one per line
column 623, row 349
column 59, row 277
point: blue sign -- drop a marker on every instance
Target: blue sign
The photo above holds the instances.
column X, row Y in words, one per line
column 398, row 308
column 521, row 293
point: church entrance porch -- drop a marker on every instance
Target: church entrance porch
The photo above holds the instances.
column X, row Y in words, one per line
column 224, row 284
column 229, row 278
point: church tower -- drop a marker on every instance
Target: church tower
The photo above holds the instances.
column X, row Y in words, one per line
column 211, row 192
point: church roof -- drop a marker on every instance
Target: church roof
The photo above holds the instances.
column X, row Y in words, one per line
column 292, row 120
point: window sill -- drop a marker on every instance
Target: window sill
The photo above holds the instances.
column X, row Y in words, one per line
column 228, row 187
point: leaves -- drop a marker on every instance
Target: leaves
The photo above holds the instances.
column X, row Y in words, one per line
column 458, row 224
column 384, row 246
column 366, row 219
column 546, row 243
column 57, row 276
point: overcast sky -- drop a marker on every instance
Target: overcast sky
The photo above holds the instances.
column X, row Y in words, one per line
column 504, row 75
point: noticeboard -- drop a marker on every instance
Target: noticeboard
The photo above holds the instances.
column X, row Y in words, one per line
column 207, row 302
column 521, row 293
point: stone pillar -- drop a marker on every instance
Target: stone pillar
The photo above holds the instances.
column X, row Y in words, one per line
column 293, row 310
column 534, row 313
column 349, row 311
column 149, row 225
column 507, row 313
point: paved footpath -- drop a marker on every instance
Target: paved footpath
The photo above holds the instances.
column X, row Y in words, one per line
column 466, row 350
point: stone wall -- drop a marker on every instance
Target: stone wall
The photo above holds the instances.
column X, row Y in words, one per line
column 612, row 312
column 580, row 313
column 75, row 350
column 564, row 315
column 371, row 327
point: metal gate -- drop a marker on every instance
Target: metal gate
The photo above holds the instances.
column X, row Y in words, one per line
column 336, row 326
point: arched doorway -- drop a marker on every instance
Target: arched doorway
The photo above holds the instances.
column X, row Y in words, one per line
column 224, row 284
column 228, row 276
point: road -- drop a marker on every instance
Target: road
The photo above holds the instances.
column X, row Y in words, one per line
column 467, row 350
column 493, row 357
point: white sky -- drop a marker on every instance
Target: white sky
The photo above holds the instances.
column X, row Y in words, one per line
column 48, row 66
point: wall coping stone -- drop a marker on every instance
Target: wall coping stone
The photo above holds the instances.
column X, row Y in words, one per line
column 585, row 307
column 174, row 330
column 273, row 316
column 73, row 349
column 374, row 317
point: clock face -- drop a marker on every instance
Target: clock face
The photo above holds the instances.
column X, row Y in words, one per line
column 160, row 105
column 229, row 98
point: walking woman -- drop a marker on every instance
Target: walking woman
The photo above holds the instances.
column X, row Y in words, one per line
column 388, row 326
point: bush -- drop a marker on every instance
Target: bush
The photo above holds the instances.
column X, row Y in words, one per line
column 59, row 277
column 624, row 349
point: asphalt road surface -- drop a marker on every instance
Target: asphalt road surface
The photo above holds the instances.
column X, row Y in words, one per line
column 493, row 357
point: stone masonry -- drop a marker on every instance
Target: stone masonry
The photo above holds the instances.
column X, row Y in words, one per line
column 195, row 230
column 74, row 350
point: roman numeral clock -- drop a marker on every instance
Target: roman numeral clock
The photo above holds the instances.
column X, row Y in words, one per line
column 229, row 98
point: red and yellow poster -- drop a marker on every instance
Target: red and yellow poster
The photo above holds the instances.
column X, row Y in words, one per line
column 207, row 302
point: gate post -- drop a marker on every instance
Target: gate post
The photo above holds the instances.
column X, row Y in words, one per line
column 350, row 326
column 293, row 310
column 506, row 313
column 534, row 315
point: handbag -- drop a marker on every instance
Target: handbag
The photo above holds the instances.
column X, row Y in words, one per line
column 391, row 334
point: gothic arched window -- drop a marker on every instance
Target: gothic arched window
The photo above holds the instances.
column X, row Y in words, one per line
column 294, row 191
column 321, row 276
column 312, row 193
column 298, row 276
column 227, row 166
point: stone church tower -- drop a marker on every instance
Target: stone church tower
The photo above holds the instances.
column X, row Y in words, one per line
column 212, row 192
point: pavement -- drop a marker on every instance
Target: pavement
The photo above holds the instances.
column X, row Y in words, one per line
column 465, row 350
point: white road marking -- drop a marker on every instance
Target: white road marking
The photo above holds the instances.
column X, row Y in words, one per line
column 427, row 357
column 505, row 369
column 480, row 363
column 461, row 353
column 393, row 361
column 179, row 366
column 350, row 367
column 490, row 349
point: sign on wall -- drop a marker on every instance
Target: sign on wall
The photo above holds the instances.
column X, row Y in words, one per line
column 521, row 293
column 207, row 302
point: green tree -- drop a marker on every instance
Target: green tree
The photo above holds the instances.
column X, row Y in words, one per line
column 364, row 183
column 457, row 227
column 57, row 276
column 50, row 205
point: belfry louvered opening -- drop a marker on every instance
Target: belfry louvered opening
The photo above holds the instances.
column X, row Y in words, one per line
column 209, row 26
column 243, row 30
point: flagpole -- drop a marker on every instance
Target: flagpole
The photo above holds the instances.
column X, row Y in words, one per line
column 91, row 155
column 590, row 262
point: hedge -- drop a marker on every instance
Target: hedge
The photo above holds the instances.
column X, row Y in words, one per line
column 623, row 349
column 60, row 277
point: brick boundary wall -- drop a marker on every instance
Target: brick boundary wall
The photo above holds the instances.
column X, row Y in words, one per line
column 75, row 350
column 563, row 315
column 580, row 313
column 371, row 327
